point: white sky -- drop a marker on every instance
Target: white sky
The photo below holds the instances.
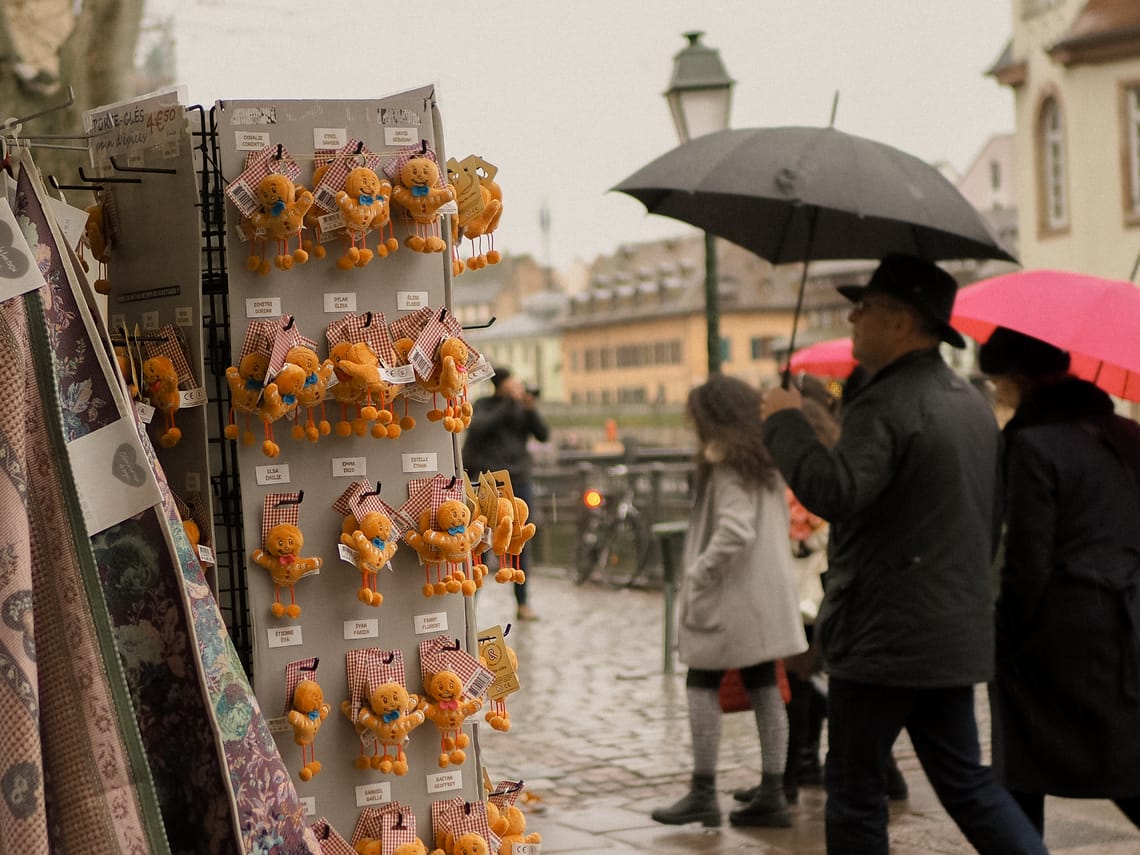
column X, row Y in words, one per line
column 566, row 97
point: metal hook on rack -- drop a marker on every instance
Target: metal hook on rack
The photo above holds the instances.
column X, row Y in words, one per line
column 24, row 119
column 391, row 656
column 150, row 169
column 423, row 146
column 359, row 146
column 451, row 483
column 300, row 498
column 107, row 179
column 442, row 313
column 375, row 492
column 368, row 319
column 449, row 647
column 279, row 150
column 56, row 185
column 480, row 326
column 292, row 320
column 313, row 667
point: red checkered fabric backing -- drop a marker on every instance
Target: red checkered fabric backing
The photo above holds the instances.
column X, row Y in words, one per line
column 295, row 672
column 279, row 508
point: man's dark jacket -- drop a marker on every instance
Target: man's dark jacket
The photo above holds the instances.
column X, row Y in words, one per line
column 911, row 494
column 497, row 438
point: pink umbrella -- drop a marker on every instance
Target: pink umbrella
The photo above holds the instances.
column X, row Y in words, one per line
column 1096, row 320
column 831, row 358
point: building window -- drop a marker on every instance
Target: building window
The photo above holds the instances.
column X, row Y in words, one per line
column 725, row 349
column 1053, row 173
column 760, row 347
column 995, row 175
column 634, row 395
column 1132, row 127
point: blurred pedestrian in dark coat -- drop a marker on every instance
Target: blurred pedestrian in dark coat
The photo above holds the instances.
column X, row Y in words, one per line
column 1066, row 697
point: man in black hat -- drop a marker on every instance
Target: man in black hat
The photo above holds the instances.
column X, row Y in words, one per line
column 906, row 625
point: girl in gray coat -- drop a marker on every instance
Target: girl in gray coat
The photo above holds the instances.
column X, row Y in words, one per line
column 739, row 607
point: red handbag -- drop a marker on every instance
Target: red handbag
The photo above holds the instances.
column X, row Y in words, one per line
column 734, row 697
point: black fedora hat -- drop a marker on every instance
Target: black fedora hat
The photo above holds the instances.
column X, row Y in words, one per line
column 918, row 283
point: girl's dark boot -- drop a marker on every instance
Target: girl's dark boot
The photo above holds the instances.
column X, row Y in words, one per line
column 768, row 808
column 699, row 805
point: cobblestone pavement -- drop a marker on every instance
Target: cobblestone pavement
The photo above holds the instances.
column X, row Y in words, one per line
column 600, row 736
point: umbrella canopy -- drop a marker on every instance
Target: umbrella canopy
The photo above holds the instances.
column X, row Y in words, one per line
column 1095, row 319
column 800, row 194
column 831, row 358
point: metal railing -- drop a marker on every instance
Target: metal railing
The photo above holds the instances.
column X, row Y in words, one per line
column 662, row 480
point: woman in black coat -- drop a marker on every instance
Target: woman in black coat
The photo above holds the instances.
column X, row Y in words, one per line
column 1066, row 698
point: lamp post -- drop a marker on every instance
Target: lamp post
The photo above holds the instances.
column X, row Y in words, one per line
column 699, row 96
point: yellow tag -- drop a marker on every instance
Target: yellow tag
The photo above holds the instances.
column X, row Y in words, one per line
column 464, row 177
column 500, row 661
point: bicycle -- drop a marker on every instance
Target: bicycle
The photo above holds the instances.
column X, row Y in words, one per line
column 614, row 541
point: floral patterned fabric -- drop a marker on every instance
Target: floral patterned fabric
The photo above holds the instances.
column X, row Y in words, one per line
column 220, row 781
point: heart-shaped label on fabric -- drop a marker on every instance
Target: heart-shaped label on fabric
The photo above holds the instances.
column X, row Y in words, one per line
column 125, row 466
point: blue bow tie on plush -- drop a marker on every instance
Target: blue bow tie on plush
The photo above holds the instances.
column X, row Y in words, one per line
column 419, row 190
column 378, row 543
column 254, row 385
column 311, row 380
column 366, row 200
column 314, row 715
column 457, row 529
column 278, row 208
column 289, row 399
column 390, row 716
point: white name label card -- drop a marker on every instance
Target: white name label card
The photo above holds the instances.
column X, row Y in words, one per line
column 366, row 628
column 373, row 794
column 285, row 636
column 276, row 473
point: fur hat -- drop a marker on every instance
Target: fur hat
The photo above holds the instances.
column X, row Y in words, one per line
column 1011, row 352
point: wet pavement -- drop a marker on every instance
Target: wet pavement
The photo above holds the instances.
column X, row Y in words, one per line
column 600, row 736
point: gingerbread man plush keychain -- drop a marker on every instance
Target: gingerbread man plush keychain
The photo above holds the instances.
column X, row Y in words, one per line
column 454, row 682
column 280, row 552
column 306, row 711
column 374, row 541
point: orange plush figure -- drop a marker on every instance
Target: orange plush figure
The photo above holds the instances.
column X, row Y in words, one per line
column 420, row 195
column 308, row 714
column 471, row 844
column 447, row 710
column 350, row 391
column 390, row 714
column 160, row 381
column 520, row 533
column 246, row 382
column 484, row 225
column 312, row 393
column 430, row 557
column 497, row 715
column 364, row 205
column 449, row 379
column 279, row 400
column 515, row 830
column 361, row 364
column 281, row 557
column 375, row 546
column 279, row 217
column 96, row 236
column 313, row 219
column 454, row 537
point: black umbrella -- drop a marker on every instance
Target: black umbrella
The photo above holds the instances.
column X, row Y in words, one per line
column 801, row 194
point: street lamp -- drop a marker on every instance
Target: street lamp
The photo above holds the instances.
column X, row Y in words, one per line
column 699, row 96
